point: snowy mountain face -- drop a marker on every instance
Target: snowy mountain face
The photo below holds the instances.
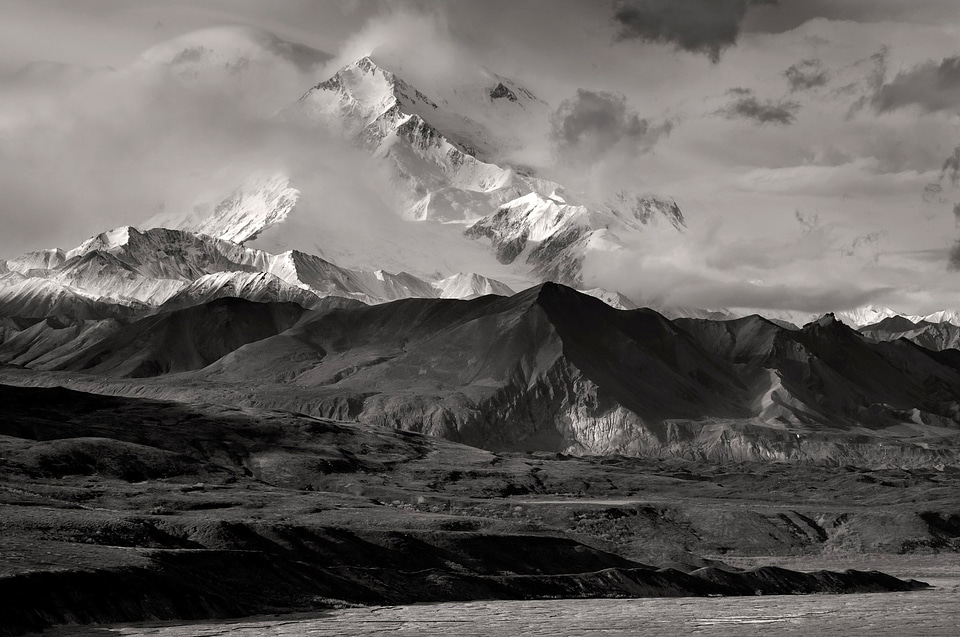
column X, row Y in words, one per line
column 943, row 316
column 126, row 272
column 554, row 236
column 445, row 151
column 447, row 144
column 38, row 260
column 469, row 286
column 869, row 315
column 865, row 315
column 613, row 299
column 260, row 202
column 436, row 154
column 444, row 171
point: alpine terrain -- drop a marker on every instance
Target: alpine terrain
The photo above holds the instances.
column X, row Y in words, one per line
column 275, row 399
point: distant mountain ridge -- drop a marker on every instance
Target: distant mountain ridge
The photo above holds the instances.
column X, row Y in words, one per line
column 548, row 369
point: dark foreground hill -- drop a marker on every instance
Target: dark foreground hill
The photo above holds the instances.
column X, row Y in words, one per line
column 124, row 509
column 551, row 369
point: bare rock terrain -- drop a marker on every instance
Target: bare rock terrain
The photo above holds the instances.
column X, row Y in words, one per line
column 125, row 509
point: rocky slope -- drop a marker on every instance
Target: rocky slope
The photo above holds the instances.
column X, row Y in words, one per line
column 125, row 509
column 260, row 202
column 552, row 369
column 180, row 340
column 932, row 335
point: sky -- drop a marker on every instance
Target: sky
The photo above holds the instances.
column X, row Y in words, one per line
column 813, row 145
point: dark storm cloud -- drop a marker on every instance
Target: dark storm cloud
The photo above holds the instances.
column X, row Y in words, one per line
column 747, row 106
column 698, row 26
column 931, row 87
column 591, row 124
column 806, row 75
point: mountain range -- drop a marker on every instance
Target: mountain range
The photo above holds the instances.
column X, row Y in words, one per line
column 191, row 301
column 548, row 369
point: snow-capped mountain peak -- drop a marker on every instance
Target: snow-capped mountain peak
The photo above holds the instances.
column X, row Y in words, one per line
column 366, row 102
column 865, row 315
column 611, row 298
column 943, row 316
column 104, row 241
column 260, row 202
column 644, row 210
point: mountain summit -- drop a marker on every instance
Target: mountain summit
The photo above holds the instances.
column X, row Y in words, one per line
column 445, row 169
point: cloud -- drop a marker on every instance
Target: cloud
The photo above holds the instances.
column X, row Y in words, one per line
column 865, row 246
column 931, row 87
column 747, row 106
column 951, row 168
column 808, row 221
column 663, row 280
column 698, row 26
column 939, row 197
column 712, row 265
column 114, row 147
column 786, row 15
column 416, row 44
column 806, row 74
column 869, row 85
column 592, row 124
column 953, row 258
column 861, row 179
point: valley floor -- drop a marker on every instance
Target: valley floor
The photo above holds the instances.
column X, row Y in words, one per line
column 119, row 509
column 931, row 612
